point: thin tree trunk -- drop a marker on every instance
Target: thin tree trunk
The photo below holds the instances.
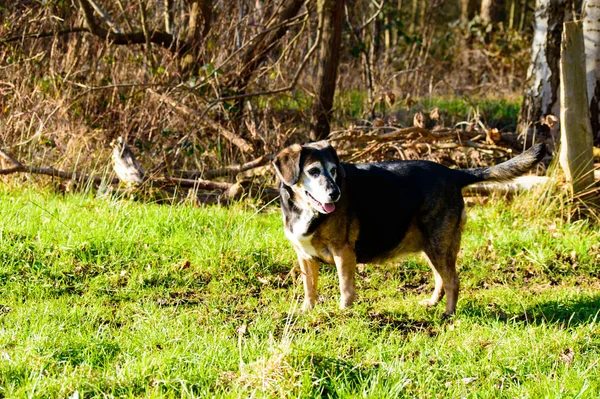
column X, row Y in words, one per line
column 523, row 15
column 591, row 30
column 492, row 11
column 464, row 11
column 413, row 16
column 422, row 11
column 170, row 17
column 387, row 40
column 199, row 22
column 541, row 97
column 331, row 20
column 395, row 30
column 485, row 10
column 576, row 157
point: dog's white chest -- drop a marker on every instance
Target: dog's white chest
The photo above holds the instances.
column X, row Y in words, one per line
column 298, row 237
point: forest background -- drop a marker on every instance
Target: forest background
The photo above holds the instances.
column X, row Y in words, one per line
column 196, row 86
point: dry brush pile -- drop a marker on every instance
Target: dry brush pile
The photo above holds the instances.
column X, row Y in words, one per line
column 205, row 92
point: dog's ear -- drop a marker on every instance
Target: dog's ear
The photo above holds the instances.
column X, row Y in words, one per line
column 287, row 164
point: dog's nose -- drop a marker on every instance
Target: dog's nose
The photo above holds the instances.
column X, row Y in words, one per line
column 334, row 195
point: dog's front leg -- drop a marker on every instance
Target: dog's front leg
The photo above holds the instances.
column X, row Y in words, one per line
column 310, row 275
column 345, row 262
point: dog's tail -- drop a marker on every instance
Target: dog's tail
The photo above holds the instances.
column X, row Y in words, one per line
column 508, row 170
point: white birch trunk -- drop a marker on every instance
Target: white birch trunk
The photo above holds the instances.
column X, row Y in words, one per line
column 591, row 33
column 541, row 98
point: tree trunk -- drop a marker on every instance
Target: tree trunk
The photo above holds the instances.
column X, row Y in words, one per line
column 468, row 10
column 413, row 16
column 198, row 25
column 523, row 15
column 541, row 96
column 591, row 30
column 576, row 157
column 492, row 11
column 331, row 20
column 464, row 11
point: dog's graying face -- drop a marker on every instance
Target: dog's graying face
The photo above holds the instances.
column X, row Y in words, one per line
column 313, row 172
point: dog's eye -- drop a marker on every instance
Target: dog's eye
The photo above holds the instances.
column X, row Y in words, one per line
column 314, row 172
column 333, row 171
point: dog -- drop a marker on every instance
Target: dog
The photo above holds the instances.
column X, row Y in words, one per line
column 343, row 214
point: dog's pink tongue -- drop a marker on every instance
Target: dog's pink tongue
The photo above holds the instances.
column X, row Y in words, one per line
column 329, row 207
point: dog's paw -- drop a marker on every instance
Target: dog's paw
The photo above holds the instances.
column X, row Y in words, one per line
column 347, row 302
column 428, row 303
column 307, row 306
column 447, row 316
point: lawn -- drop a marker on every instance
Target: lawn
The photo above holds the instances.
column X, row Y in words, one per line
column 113, row 298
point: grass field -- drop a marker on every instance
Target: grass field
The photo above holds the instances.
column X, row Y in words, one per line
column 107, row 298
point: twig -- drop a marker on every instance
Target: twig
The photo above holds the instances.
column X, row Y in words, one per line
column 105, row 17
column 230, row 136
column 195, row 183
column 77, row 29
column 228, row 170
column 289, row 87
column 10, row 159
column 161, row 38
column 379, row 8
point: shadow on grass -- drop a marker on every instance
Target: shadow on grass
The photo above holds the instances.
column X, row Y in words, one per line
column 333, row 377
column 564, row 313
column 402, row 323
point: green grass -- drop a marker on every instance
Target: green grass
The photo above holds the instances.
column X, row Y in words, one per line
column 113, row 298
column 501, row 113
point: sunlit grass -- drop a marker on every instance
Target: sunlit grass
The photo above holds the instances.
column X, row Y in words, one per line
column 115, row 298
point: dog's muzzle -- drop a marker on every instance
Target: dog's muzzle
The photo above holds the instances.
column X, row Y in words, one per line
column 325, row 207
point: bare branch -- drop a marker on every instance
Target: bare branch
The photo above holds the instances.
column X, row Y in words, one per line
column 196, row 183
column 157, row 37
column 74, row 175
column 228, row 170
column 105, row 16
column 40, row 35
column 10, row 159
column 379, row 8
column 256, row 54
column 230, row 136
column 289, row 87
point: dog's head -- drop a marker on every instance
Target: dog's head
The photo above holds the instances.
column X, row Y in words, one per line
column 313, row 172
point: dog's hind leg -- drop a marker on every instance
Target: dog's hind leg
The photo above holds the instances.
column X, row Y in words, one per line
column 438, row 291
column 446, row 278
column 310, row 275
column 442, row 251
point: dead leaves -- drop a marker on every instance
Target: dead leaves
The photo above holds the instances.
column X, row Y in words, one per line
column 419, row 120
column 550, row 121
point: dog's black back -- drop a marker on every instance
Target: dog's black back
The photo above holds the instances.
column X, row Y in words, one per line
column 406, row 191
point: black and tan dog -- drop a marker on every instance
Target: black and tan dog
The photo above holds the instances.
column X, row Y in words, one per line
column 344, row 214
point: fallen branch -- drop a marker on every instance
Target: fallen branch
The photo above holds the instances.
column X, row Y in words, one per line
column 228, row 170
column 199, row 184
column 520, row 184
column 73, row 175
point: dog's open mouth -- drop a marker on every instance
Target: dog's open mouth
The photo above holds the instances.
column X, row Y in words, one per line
column 326, row 207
